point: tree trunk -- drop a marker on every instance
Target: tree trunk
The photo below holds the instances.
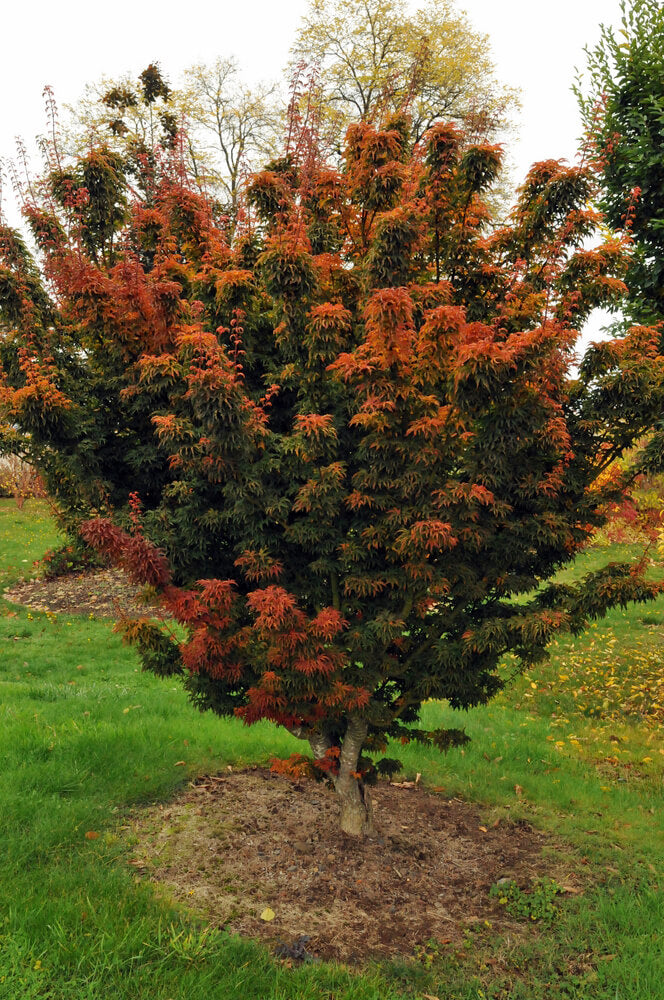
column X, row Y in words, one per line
column 356, row 809
column 319, row 744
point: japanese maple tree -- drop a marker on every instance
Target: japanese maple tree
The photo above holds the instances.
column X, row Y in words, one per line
column 356, row 445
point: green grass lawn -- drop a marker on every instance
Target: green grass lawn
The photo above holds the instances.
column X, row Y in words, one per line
column 574, row 748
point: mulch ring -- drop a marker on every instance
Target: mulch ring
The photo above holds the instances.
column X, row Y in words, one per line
column 263, row 857
column 104, row 593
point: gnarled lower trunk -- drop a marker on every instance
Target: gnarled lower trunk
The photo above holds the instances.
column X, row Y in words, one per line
column 354, row 799
column 319, row 744
column 356, row 808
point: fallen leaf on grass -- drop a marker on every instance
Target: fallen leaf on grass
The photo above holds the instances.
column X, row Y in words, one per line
column 268, row 914
column 91, row 835
column 518, row 790
column 180, row 763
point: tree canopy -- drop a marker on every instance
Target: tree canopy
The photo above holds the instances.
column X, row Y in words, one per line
column 138, row 113
column 225, row 125
column 369, row 59
column 376, row 59
column 229, row 125
column 623, row 111
column 347, row 449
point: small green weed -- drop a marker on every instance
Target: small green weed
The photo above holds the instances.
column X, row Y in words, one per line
column 536, row 905
column 428, row 953
column 193, row 945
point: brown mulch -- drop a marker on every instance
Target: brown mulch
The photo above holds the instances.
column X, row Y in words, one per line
column 241, row 845
column 104, row 593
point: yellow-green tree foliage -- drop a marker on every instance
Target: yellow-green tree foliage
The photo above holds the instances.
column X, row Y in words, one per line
column 375, row 58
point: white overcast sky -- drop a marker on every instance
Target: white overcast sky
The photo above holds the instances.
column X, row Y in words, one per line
column 67, row 43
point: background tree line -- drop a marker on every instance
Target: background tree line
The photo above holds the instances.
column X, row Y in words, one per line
column 361, row 60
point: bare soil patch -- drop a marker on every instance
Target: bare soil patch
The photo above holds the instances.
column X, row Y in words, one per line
column 104, row 593
column 238, row 846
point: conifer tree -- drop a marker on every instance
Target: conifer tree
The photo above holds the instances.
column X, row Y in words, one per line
column 353, row 442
